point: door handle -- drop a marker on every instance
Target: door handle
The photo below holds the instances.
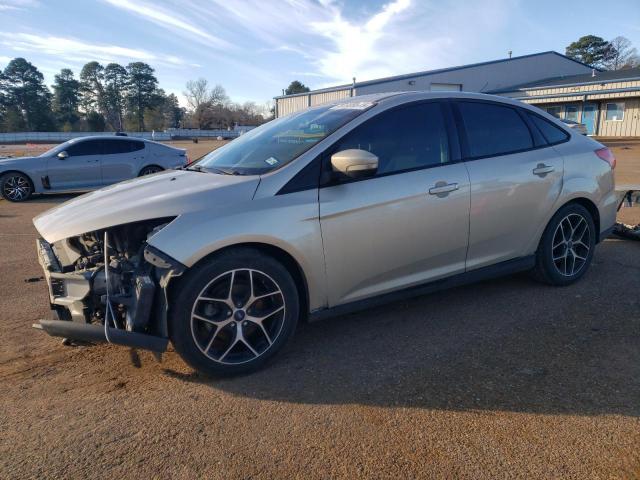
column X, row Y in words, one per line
column 541, row 169
column 443, row 188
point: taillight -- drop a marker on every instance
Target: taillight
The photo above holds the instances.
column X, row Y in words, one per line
column 607, row 155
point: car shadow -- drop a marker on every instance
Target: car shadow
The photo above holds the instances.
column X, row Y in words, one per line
column 508, row 344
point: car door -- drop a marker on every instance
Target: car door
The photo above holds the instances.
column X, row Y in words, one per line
column 515, row 180
column 121, row 159
column 404, row 226
column 80, row 169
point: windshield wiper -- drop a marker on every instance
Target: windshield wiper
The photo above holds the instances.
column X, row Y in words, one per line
column 200, row 168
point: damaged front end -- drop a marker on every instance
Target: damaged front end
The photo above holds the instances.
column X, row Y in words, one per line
column 110, row 285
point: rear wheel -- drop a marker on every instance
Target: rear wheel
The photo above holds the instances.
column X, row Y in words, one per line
column 148, row 170
column 232, row 314
column 15, row 187
column 567, row 246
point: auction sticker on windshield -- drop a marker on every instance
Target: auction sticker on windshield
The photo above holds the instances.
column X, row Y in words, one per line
column 271, row 161
column 352, row 106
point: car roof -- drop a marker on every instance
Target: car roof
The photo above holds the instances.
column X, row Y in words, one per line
column 399, row 97
column 106, row 137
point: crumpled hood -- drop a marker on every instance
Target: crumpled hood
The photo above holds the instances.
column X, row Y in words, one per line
column 166, row 194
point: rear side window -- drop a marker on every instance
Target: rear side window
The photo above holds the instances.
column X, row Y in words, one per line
column 87, row 147
column 121, row 146
column 403, row 139
column 493, row 129
column 550, row 132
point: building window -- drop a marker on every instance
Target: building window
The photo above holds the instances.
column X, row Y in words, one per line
column 555, row 111
column 615, row 112
column 571, row 113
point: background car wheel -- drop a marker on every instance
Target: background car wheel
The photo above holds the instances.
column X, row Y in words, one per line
column 567, row 246
column 150, row 169
column 15, row 187
column 231, row 314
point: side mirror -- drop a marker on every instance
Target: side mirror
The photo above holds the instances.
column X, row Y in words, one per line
column 63, row 155
column 355, row 163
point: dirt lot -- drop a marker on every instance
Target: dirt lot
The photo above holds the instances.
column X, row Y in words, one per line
column 503, row 379
column 195, row 150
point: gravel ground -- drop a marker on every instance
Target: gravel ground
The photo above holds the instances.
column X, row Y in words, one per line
column 503, row 379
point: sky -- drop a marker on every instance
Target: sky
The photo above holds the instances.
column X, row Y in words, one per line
column 255, row 48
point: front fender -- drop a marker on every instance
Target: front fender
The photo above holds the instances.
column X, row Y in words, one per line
column 288, row 222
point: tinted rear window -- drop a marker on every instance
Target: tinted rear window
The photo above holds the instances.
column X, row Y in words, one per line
column 493, row 129
column 122, row 146
column 550, row 132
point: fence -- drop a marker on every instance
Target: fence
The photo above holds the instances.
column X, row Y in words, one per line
column 58, row 137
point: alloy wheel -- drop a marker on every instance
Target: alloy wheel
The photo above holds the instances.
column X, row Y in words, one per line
column 16, row 188
column 571, row 244
column 238, row 316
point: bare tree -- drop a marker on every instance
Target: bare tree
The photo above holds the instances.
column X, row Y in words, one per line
column 623, row 54
column 197, row 92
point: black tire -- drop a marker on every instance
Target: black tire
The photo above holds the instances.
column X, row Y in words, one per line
column 15, row 187
column 218, row 328
column 149, row 169
column 561, row 259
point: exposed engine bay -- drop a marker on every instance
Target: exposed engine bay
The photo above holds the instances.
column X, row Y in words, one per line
column 111, row 277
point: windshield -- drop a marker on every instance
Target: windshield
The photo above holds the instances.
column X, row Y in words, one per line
column 280, row 141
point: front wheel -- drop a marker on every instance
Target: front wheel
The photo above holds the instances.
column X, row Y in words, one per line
column 15, row 187
column 567, row 245
column 150, row 170
column 230, row 315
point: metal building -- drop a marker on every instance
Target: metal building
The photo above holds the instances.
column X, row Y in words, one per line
column 608, row 103
column 477, row 77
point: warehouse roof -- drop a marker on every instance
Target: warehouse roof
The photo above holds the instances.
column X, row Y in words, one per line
column 582, row 79
column 428, row 72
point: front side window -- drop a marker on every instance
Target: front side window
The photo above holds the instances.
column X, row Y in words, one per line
column 280, row 141
column 571, row 113
column 86, row 147
column 403, row 139
column 493, row 129
column 615, row 111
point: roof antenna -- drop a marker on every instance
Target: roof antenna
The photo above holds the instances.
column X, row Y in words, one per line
column 510, row 53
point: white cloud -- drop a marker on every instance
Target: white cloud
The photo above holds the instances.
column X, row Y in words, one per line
column 75, row 51
column 18, row 4
column 153, row 13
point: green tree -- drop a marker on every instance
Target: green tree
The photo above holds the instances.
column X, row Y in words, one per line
column 66, row 97
column 95, row 122
column 92, row 88
column 141, row 91
column 173, row 112
column 24, row 92
column 592, row 50
column 296, row 87
column 115, row 88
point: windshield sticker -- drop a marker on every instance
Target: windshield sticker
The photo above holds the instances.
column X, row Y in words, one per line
column 271, row 161
column 352, row 106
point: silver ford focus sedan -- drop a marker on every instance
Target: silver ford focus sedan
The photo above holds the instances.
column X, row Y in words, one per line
column 331, row 209
column 84, row 164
